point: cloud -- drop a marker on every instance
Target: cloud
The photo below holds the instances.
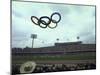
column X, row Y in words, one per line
column 75, row 21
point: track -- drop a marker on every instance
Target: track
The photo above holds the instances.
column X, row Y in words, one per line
column 66, row 62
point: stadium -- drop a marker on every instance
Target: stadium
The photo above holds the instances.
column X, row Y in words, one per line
column 68, row 56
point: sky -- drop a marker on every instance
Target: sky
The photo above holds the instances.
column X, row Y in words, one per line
column 76, row 20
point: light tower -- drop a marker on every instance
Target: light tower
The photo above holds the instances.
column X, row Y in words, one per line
column 78, row 38
column 57, row 39
column 33, row 36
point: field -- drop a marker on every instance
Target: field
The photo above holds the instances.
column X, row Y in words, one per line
column 24, row 58
column 56, row 62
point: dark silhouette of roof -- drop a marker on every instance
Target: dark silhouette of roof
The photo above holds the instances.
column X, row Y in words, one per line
column 59, row 47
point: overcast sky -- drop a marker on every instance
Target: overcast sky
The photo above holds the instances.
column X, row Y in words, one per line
column 76, row 20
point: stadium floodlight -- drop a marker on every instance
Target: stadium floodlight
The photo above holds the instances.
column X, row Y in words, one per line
column 57, row 39
column 78, row 37
column 33, row 36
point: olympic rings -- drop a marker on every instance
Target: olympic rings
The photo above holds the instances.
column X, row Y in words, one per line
column 43, row 23
column 52, row 26
column 33, row 20
column 54, row 21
